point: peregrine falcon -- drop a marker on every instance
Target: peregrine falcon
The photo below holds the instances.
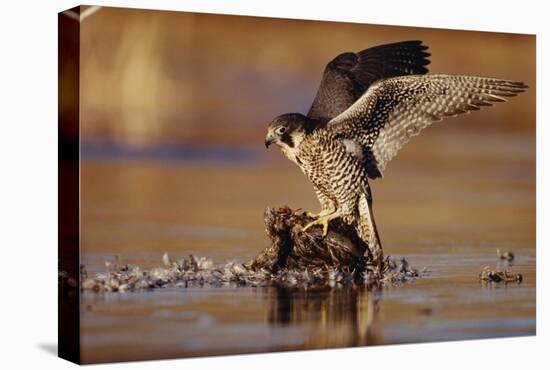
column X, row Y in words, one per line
column 369, row 104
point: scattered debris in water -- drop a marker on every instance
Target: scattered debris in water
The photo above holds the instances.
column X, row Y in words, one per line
column 491, row 276
column 200, row 271
column 508, row 256
column 293, row 258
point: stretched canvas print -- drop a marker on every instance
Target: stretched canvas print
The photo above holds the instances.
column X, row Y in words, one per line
column 233, row 185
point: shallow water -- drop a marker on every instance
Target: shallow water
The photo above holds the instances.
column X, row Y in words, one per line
column 448, row 213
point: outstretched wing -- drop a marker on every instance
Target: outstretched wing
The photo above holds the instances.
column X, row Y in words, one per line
column 394, row 110
column 349, row 75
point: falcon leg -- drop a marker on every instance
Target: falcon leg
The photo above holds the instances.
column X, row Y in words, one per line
column 327, row 205
column 323, row 221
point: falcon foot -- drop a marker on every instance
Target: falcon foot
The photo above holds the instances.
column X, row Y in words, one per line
column 322, row 220
column 324, row 212
column 312, row 214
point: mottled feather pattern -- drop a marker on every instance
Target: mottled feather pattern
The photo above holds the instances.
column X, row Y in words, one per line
column 394, row 110
column 369, row 105
column 335, row 171
column 366, row 226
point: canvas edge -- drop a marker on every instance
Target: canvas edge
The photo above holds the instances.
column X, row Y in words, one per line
column 69, row 185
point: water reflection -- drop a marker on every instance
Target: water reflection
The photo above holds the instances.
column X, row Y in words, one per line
column 138, row 210
column 336, row 317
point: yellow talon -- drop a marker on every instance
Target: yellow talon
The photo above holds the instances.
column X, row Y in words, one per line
column 323, row 221
column 323, row 213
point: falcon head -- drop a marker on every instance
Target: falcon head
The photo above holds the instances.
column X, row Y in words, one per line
column 288, row 130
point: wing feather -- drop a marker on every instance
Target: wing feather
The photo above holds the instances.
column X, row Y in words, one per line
column 349, row 75
column 394, row 110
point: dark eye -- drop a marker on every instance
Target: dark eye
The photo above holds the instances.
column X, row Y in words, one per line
column 280, row 130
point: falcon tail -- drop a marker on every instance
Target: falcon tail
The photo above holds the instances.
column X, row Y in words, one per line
column 366, row 227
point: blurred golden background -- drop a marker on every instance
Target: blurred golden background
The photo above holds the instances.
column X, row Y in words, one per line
column 159, row 77
column 157, row 86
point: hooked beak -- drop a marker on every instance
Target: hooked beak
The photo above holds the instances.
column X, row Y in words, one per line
column 269, row 139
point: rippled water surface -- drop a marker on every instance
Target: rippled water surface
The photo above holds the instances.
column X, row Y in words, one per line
column 448, row 213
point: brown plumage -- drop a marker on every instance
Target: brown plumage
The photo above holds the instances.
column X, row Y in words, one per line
column 362, row 116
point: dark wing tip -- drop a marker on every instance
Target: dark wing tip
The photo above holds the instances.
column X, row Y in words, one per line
column 412, row 42
column 349, row 74
column 394, row 59
column 417, row 43
column 347, row 60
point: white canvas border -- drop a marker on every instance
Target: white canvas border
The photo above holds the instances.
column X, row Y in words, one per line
column 29, row 180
